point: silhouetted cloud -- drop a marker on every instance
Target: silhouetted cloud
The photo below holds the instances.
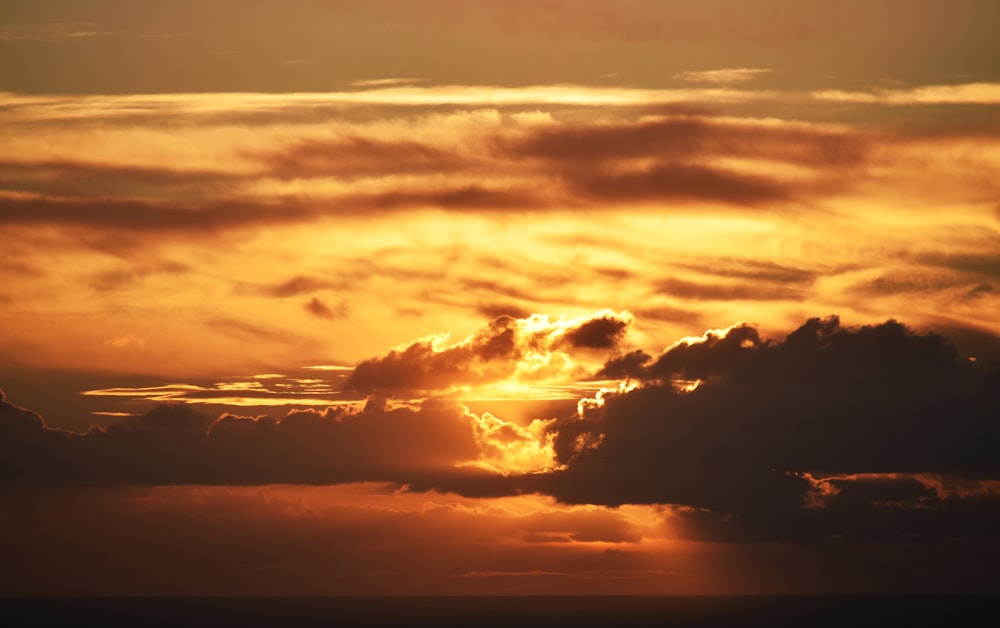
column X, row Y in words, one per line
column 174, row 444
column 770, row 417
column 605, row 332
column 530, row 349
column 868, row 433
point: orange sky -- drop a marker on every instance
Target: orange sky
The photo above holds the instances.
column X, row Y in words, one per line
column 499, row 297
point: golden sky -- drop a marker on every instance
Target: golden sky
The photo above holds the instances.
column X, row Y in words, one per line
column 484, row 296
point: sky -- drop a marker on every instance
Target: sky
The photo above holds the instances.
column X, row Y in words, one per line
column 452, row 297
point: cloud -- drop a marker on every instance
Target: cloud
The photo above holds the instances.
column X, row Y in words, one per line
column 923, row 281
column 480, row 160
column 725, row 76
column 126, row 341
column 384, row 82
column 53, row 31
column 864, row 433
column 316, row 307
column 753, row 271
column 146, row 216
column 760, row 291
column 987, row 265
column 15, row 420
column 958, row 94
column 744, row 446
column 232, row 104
column 298, row 285
column 361, row 156
column 525, row 349
column 159, row 217
column 301, row 388
column 91, row 175
column 676, row 137
column 678, row 182
column 680, row 158
column 174, row 444
column 604, row 332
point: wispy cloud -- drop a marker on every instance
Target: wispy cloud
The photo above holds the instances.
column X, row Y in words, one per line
column 384, row 82
column 53, row 31
column 957, row 94
column 726, row 76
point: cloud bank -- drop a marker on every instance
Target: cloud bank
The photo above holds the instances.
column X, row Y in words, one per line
column 865, row 432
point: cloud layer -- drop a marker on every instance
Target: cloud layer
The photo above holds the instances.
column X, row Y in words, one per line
column 870, row 432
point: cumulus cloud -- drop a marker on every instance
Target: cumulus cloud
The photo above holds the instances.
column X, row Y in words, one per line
column 519, row 349
column 744, row 446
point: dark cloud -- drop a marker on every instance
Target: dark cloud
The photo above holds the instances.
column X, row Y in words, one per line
column 978, row 264
column 599, row 162
column 239, row 329
column 127, row 274
column 149, row 216
column 459, row 197
column 421, row 366
column 491, row 354
column 337, row 445
column 730, row 292
column 359, row 156
column 85, row 178
column 682, row 137
column 316, row 307
column 677, row 181
column 174, row 444
column 972, row 342
column 915, row 281
column 630, row 365
column 826, row 400
column 297, row 285
column 16, row 421
column 753, row 270
column 605, row 332
column 586, row 166
column 868, row 433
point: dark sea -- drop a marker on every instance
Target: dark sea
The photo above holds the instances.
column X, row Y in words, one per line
column 478, row 612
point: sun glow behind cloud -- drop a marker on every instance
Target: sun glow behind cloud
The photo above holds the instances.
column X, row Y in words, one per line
column 284, row 325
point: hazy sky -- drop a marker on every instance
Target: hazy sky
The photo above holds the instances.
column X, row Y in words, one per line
column 499, row 297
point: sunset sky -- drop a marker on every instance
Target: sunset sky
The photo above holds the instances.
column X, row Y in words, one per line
column 324, row 297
